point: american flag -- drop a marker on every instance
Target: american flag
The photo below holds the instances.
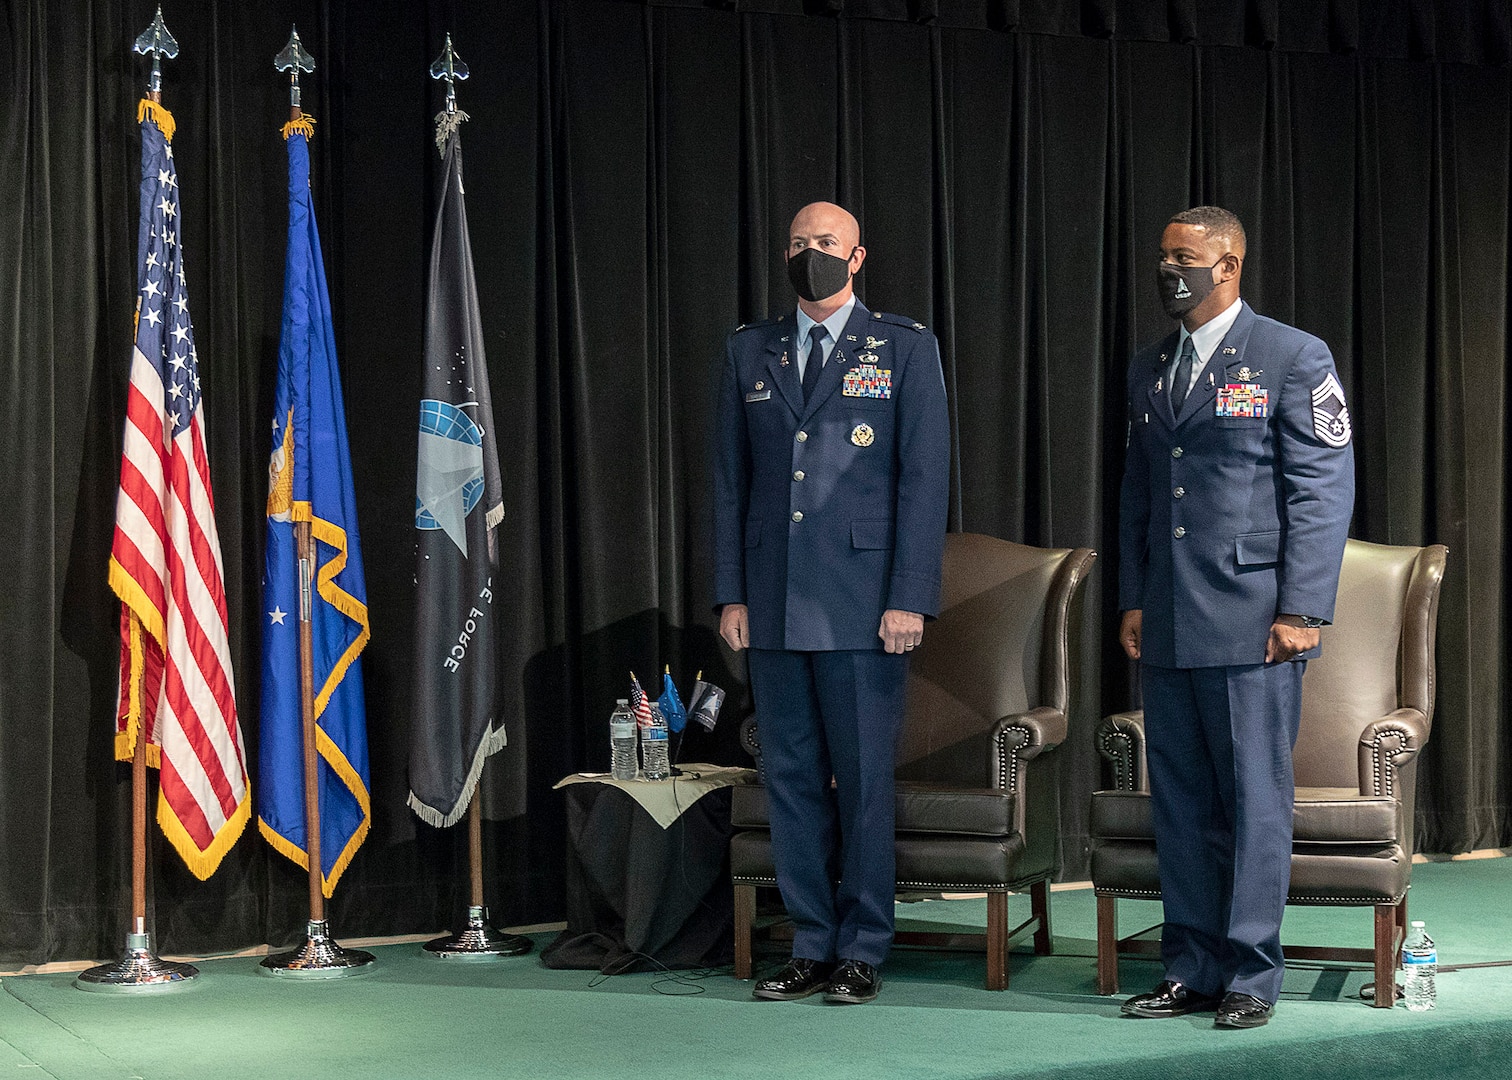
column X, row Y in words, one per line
column 165, row 562
column 640, row 704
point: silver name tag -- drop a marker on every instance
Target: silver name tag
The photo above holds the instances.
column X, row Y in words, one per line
column 758, row 395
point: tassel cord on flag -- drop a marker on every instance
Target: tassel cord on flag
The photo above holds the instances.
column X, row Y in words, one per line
column 305, row 542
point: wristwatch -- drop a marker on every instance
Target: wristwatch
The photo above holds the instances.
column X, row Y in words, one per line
column 1312, row 623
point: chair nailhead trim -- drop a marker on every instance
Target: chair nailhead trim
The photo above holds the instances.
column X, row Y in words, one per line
column 1118, row 748
column 1309, row 901
column 1383, row 772
column 1008, row 762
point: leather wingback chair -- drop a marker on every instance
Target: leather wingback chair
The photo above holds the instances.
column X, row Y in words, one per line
column 988, row 697
column 1367, row 708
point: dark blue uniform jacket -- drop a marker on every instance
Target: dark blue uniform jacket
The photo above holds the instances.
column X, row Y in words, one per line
column 830, row 512
column 1236, row 511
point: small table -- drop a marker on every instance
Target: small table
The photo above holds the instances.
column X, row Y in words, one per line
column 640, row 893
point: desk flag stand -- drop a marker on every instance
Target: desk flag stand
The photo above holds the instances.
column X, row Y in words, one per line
column 477, row 940
column 140, row 970
column 319, row 957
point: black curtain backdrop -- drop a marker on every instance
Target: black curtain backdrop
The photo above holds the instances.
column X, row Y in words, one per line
column 631, row 172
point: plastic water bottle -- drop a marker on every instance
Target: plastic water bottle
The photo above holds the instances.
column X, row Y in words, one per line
column 1420, row 966
column 654, row 763
column 622, row 764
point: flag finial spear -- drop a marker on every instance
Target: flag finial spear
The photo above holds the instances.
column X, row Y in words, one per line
column 159, row 42
column 294, row 59
column 449, row 66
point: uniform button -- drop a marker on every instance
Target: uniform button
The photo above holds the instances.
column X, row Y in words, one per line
column 797, row 515
column 1179, row 492
column 803, row 436
column 798, row 475
column 1175, row 451
column 1178, row 532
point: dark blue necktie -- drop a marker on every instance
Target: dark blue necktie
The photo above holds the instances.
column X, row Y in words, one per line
column 815, row 361
column 1182, row 380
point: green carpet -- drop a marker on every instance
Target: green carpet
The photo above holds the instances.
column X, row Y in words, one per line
column 415, row 1017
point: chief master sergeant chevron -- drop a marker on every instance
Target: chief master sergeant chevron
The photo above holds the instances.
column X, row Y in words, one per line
column 1236, row 499
column 831, row 477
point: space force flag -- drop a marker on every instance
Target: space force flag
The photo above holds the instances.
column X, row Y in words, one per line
column 310, row 479
column 165, row 559
column 454, row 721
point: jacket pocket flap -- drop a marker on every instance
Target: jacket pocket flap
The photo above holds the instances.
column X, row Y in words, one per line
column 872, row 535
column 1257, row 549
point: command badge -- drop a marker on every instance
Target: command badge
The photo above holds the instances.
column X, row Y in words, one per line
column 863, row 435
column 1330, row 414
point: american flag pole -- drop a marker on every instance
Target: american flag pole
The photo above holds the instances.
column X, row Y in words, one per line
column 140, row 968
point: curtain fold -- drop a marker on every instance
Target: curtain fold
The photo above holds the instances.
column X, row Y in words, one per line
column 632, row 170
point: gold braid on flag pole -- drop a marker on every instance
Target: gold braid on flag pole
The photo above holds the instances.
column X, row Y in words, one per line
column 154, row 111
column 304, row 125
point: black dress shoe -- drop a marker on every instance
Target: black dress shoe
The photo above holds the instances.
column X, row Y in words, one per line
column 1243, row 1011
column 1167, row 1000
column 800, row 978
column 853, row 983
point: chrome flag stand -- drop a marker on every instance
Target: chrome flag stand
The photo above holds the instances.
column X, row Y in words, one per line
column 477, row 940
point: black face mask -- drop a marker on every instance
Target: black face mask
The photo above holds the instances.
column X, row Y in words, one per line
column 1183, row 287
column 817, row 275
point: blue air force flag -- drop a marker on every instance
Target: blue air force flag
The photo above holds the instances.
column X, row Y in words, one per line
column 454, row 722
column 310, row 480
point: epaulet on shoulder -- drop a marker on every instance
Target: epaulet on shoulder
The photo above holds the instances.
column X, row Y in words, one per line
column 897, row 320
column 753, row 324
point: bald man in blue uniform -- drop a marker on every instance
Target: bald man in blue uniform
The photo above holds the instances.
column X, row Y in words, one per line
column 831, row 480
column 1237, row 494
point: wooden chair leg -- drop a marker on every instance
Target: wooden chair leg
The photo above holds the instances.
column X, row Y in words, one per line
column 1107, row 945
column 997, row 940
column 1039, row 899
column 1386, row 916
column 745, row 915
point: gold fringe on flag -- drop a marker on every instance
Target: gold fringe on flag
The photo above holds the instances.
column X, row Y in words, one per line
column 151, row 110
column 305, row 126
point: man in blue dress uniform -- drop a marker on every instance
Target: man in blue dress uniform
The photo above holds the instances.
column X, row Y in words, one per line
column 1237, row 493
column 831, row 478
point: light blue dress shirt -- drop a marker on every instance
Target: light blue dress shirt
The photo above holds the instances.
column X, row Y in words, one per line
column 832, row 329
